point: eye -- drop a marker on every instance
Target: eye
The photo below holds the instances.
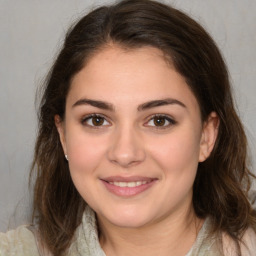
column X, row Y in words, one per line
column 95, row 121
column 160, row 121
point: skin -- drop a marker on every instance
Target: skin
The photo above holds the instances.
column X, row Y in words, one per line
column 128, row 141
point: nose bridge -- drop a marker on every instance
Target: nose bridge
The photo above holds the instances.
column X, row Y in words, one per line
column 126, row 147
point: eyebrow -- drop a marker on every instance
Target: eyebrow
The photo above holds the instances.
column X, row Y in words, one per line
column 158, row 103
column 95, row 103
column 147, row 105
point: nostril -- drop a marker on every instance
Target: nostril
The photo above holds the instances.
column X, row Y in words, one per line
column 126, row 150
column 125, row 162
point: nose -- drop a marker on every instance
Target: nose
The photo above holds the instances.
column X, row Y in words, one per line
column 126, row 148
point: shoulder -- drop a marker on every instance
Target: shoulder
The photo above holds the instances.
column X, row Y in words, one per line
column 213, row 244
column 20, row 241
column 248, row 244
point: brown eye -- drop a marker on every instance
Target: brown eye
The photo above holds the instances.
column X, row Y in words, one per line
column 95, row 121
column 160, row 121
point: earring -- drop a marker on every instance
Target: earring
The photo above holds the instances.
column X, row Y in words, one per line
column 66, row 156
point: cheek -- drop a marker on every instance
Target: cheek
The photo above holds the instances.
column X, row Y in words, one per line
column 177, row 158
column 177, row 153
column 86, row 152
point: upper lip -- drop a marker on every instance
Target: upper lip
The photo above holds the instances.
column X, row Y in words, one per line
column 127, row 179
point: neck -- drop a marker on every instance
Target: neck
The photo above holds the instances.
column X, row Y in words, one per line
column 172, row 235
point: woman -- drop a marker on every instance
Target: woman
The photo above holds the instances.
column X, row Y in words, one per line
column 140, row 150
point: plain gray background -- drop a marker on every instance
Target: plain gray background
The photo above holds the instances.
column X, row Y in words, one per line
column 31, row 32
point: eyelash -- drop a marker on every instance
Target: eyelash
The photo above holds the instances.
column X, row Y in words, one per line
column 90, row 117
column 164, row 118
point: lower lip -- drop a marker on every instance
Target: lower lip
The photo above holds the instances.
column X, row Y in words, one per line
column 128, row 191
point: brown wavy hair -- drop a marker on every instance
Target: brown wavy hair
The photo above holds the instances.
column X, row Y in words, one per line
column 223, row 180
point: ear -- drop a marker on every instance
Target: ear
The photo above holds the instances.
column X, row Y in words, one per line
column 60, row 127
column 209, row 136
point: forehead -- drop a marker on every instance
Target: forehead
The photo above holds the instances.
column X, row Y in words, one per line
column 130, row 75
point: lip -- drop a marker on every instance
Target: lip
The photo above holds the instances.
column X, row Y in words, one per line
column 128, row 191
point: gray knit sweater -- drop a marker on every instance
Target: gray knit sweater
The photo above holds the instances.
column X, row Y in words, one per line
column 23, row 242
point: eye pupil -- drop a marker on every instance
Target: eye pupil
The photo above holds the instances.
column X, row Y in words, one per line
column 159, row 121
column 97, row 121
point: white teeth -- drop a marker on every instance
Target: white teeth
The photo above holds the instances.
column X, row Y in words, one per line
column 128, row 184
column 132, row 184
column 121, row 184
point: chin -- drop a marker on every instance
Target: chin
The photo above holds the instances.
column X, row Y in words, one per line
column 129, row 217
column 128, row 222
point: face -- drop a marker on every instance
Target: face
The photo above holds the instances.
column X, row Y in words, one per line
column 134, row 137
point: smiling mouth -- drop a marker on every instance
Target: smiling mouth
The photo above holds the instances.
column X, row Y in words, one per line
column 127, row 187
column 128, row 184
